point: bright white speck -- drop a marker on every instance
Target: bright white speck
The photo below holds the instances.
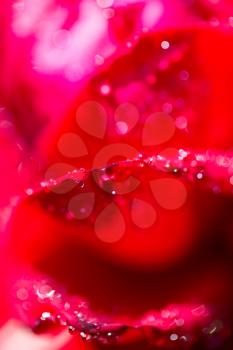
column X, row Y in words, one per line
column 199, row 176
column 105, row 89
column 165, row 45
column 45, row 315
column 173, row 337
column 122, row 128
column 29, row 191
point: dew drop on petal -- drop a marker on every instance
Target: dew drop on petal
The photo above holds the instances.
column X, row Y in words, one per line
column 72, row 146
column 29, row 191
column 81, row 205
column 158, row 128
column 173, row 337
column 199, row 176
column 165, row 44
column 171, row 194
column 45, row 315
column 143, row 214
column 105, row 89
column 45, row 291
column 92, row 118
column 122, row 128
column 104, row 156
column 110, row 224
column 114, row 185
column 54, row 172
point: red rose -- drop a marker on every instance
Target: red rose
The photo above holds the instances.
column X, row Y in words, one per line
column 128, row 252
column 122, row 130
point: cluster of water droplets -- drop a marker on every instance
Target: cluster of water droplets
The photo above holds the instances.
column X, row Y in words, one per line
column 48, row 308
column 214, row 170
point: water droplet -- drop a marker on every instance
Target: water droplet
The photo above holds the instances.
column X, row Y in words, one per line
column 83, row 335
column 200, row 176
column 55, row 177
column 105, row 89
column 72, row 330
column 119, row 181
column 165, row 44
column 29, row 191
column 104, row 156
column 44, row 324
column 173, row 337
column 45, row 291
column 45, row 315
column 122, row 128
column 61, row 320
